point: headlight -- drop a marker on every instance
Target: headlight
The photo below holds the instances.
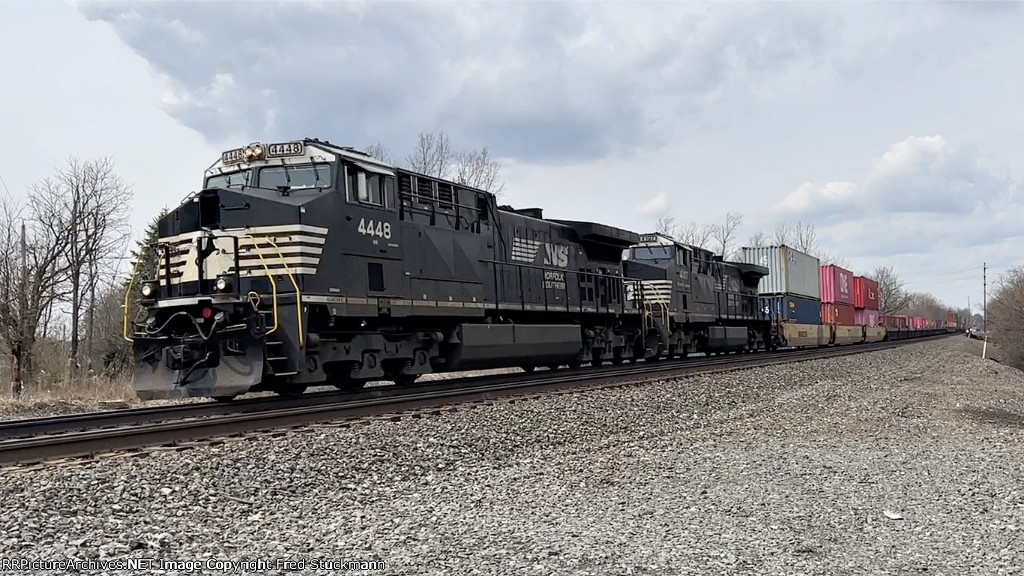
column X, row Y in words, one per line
column 148, row 290
column 222, row 285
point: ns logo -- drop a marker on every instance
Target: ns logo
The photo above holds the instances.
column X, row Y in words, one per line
column 556, row 255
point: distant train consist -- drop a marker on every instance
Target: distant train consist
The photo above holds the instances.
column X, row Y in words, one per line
column 304, row 263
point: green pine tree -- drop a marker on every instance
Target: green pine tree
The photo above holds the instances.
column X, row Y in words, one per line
column 147, row 267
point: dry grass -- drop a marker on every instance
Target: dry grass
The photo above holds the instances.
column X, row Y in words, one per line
column 992, row 352
column 100, row 393
column 68, row 396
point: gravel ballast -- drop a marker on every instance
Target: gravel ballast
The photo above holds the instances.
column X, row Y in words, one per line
column 894, row 462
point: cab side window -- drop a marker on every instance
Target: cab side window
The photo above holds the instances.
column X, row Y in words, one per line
column 366, row 187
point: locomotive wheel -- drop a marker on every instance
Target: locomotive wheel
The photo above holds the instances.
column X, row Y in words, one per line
column 528, row 369
column 404, row 379
column 575, row 363
column 224, row 398
column 595, row 359
column 290, row 391
column 554, row 367
column 347, row 384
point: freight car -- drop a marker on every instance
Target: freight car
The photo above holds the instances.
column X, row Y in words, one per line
column 306, row 263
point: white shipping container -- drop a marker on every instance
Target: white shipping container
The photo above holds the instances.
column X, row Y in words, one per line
column 789, row 271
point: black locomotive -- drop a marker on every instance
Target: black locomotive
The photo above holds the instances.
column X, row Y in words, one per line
column 306, row 263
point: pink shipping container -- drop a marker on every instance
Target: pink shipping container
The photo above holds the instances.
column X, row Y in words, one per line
column 838, row 314
column 865, row 293
column 867, row 318
column 836, row 285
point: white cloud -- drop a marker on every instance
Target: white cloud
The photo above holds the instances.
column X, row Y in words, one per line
column 926, row 204
column 83, row 93
column 589, row 87
column 918, row 175
column 813, row 196
column 657, row 204
column 723, row 106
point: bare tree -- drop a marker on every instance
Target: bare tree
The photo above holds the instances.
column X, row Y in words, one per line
column 757, row 240
column 478, row 170
column 826, row 258
column 432, row 155
column 926, row 306
column 1006, row 316
column 782, row 234
column 725, row 233
column 93, row 213
column 113, row 353
column 33, row 266
column 666, row 226
column 805, row 238
column 695, row 234
column 892, row 296
column 380, row 152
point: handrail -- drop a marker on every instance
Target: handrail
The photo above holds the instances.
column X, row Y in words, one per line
column 273, row 281
column 128, row 292
column 298, row 293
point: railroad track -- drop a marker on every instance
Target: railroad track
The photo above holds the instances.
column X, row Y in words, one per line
column 39, row 439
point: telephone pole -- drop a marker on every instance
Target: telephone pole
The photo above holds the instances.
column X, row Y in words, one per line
column 984, row 295
column 17, row 359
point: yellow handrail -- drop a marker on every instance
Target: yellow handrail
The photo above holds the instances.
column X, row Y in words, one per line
column 128, row 293
column 273, row 281
column 298, row 293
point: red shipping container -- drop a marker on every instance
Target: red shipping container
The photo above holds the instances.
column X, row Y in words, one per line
column 836, row 285
column 838, row 314
column 896, row 322
column 865, row 293
column 866, row 318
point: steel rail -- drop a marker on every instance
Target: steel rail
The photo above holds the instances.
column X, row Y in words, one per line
column 33, row 449
column 149, row 414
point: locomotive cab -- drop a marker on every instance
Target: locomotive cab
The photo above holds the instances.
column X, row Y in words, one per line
column 697, row 301
column 220, row 292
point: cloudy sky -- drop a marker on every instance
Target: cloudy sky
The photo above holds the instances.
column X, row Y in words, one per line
column 898, row 128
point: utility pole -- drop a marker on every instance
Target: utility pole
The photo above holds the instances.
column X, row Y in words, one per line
column 984, row 295
column 19, row 346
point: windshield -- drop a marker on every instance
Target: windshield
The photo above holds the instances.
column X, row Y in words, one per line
column 652, row 252
column 232, row 180
column 302, row 176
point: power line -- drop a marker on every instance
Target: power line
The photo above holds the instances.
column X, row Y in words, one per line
column 952, row 272
column 950, row 277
